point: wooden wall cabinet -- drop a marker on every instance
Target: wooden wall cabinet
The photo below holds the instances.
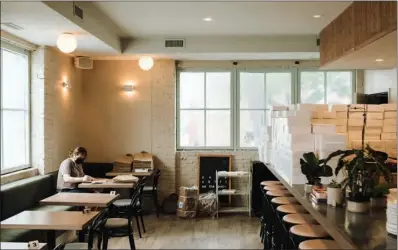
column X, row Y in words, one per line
column 357, row 26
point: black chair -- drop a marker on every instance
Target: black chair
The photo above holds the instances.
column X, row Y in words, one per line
column 95, row 228
column 154, row 190
column 123, row 206
column 121, row 225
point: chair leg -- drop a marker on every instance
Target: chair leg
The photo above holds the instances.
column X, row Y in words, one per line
column 138, row 226
column 99, row 241
column 131, row 237
column 156, row 203
column 142, row 222
column 105, row 239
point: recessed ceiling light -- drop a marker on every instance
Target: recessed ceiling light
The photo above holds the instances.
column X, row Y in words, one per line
column 208, row 19
column 379, row 60
column 316, row 16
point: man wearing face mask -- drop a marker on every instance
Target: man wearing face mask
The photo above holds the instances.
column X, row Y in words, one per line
column 71, row 173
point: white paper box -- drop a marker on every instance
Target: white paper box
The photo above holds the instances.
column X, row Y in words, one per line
column 389, row 129
column 323, row 129
column 390, row 114
column 389, row 106
column 339, row 108
column 388, row 136
column 390, row 122
column 369, row 115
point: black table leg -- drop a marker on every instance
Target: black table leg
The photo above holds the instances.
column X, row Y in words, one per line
column 50, row 239
column 82, row 234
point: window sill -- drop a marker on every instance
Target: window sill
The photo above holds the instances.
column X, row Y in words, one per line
column 18, row 175
column 216, row 150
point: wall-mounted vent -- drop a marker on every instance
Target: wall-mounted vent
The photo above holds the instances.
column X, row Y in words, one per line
column 12, row 26
column 77, row 11
column 174, row 43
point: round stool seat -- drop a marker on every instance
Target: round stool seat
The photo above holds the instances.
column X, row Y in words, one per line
column 266, row 183
column 298, row 219
column 309, row 231
column 284, row 200
column 319, row 244
column 279, row 193
column 274, row 187
column 292, row 209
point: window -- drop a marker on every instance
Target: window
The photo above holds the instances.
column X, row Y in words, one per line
column 227, row 109
column 15, row 130
column 259, row 91
column 321, row 87
column 204, row 110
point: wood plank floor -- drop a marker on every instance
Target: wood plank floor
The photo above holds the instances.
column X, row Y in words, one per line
column 169, row 232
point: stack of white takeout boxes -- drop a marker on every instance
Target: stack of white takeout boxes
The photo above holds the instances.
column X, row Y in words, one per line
column 297, row 129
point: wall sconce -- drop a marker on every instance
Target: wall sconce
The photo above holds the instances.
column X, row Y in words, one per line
column 128, row 88
column 66, row 84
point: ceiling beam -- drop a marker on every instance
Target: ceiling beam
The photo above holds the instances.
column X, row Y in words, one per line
column 94, row 22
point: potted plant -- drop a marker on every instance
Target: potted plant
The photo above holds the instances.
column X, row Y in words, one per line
column 363, row 167
column 334, row 194
column 313, row 168
column 379, row 193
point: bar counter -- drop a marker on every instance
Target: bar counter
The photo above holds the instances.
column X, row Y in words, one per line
column 350, row 230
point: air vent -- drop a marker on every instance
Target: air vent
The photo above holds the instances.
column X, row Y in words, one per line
column 174, row 43
column 12, row 26
column 77, row 11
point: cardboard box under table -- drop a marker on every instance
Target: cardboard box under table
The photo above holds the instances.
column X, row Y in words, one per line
column 187, row 202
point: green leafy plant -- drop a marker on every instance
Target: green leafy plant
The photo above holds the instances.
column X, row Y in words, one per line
column 334, row 184
column 314, row 168
column 363, row 166
column 380, row 190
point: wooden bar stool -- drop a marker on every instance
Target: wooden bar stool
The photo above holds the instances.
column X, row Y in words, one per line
column 291, row 209
column 318, row 244
column 284, row 200
column 266, row 183
column 298, row 219
column 279, row 193
column 274, row 187
column 305, row 232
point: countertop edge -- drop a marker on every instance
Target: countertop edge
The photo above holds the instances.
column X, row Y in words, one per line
column 330, row 228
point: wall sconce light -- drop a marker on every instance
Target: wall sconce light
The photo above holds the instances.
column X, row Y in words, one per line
column 128, row 88
column 66, row 84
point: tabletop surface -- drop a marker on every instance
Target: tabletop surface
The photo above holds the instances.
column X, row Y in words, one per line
column 350, row 230
column 80, row 199
column 107, row 183
column 49, row 220
column 138, row 174
column 18, row 245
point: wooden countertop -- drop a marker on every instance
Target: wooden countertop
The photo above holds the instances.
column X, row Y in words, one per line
column 80, row 199
column 350, row 230
column 49, row 220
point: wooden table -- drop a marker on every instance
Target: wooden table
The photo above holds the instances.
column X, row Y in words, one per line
column 80, row 199
column 138, row 174
column 49, row 221
column 107, row 184
column 18, row 245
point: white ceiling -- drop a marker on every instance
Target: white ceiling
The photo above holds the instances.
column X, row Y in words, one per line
column 168, row 19
column 229, row 18
column 41, row 25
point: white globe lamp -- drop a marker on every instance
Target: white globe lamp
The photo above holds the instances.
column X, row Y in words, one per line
column 66, row 43
column 145, row 63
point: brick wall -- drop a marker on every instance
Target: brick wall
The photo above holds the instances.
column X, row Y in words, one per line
column 55, row 117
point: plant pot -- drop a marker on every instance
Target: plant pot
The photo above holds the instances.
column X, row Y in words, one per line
column 358, row 207
column 378, row 202
column 307, row 188
column 335, row 196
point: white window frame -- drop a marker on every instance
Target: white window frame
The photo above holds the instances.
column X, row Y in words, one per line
column 353, row 82
column 18, row 50
column 235, row 98
column 238, row 109
column 231, row 109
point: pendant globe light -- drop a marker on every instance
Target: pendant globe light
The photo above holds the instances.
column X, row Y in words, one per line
column 66, row 42
column 145, row 63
